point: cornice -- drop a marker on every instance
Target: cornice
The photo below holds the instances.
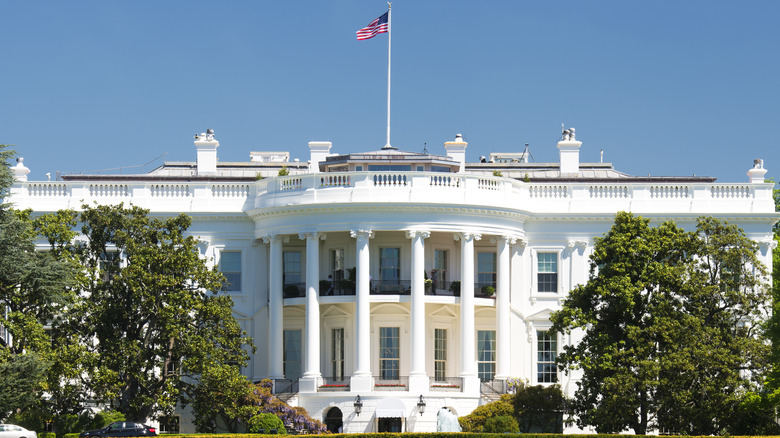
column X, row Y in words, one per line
column 260, row 213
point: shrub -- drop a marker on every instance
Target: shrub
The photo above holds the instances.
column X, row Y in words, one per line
column 539, row 409
column 104, row 418
column 475, row 421
column 71, row 435
column 497, row 173
column 290, row 291
column 266, row 422
column 455, row 287
column 488, row 291
column 47, row 435
column 284, row 171
column 501, row 424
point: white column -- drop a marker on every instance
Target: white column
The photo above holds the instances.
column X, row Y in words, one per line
column 468, row 365
column 503, row 343
column 418, row 380
column 275, row 308
column 361, row 379
column 311, row 370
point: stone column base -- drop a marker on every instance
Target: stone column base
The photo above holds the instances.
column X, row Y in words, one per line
column 308, row 384
column 419, row 384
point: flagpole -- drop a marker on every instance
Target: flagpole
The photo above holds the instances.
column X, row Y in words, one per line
column 389, row 35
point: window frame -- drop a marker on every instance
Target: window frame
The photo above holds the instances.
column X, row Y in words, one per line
column 535, row 293
column 493, row 354
column 240, row 271
column 537, row 353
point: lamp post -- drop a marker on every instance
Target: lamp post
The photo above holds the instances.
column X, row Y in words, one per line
column 421, row 405
column 358, row 405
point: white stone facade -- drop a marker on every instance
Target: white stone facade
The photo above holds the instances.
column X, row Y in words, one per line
column 397, row 219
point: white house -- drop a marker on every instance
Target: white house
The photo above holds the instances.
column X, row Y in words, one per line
column 404, row 280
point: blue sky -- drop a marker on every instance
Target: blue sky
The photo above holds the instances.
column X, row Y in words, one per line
column 664, row 87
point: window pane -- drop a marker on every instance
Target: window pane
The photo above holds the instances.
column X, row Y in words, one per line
column 547, row 352
column 440, row 354
column 230, row 266
column 389, row 264
column 389, row 353
column 486, row 354
column 547, row 272
column 292, row 354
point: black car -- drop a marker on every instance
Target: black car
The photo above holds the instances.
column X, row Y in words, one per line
column 121, row 428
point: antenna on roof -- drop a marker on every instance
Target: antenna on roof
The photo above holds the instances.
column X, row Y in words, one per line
column 425, row 148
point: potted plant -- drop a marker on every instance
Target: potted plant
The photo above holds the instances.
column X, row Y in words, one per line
column 488, row 291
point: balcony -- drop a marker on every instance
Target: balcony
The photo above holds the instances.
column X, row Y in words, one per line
column 334, row 384
column 399, row 384
column 447, row 384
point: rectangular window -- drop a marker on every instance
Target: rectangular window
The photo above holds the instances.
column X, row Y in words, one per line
column 546, row 353
column 292, row 267
column 486, row 354
column 292, row 354
column 547, row 271
column 440, row 354
column 389, row 265
column 230, row 266
column 440, row 257
column 108, row 265
column 169, row 424
column 389, row 353
column 337, row 353
column 486, row 270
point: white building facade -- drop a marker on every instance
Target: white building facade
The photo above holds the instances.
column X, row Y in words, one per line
column 404, row 280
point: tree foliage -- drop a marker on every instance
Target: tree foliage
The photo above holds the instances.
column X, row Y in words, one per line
column 35, row 288
column 475, row 421
column 670, row 322
column 148, row 325
column 539, row 408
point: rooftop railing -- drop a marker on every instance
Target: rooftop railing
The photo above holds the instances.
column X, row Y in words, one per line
column 400, row 187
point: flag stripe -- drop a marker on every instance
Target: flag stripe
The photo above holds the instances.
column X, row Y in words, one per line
column 377, row 26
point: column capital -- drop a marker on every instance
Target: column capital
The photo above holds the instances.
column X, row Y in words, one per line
column 278, row 238
column 467, row 235
column 361, row 233
column 511, row 240
column 571, row 244
column 765, row 244
column 315, row 235
column 411, row 234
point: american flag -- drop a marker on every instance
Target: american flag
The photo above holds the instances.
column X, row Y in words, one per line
column 377, row 26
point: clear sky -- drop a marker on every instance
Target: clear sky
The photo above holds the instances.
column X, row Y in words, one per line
column 667, row 88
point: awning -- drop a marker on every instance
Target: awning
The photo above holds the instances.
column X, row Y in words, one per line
column 390, row 407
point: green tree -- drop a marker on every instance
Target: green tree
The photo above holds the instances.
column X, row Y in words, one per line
column 223, row 398
column 539, row 409
column 475, row 421
column 671, row 327
column 152, row 320
column 35, row 287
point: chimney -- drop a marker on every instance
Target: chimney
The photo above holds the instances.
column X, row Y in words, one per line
column 570, row 153
column 319, row 150
column 207, row 152
column 756, row 174
column 457, row 151
column 20, row 171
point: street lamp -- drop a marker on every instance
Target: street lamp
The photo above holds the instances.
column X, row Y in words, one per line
column 421, row 405
column 358, row 405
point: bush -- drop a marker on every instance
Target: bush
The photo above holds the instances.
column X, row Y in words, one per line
column 539, row 409
column 266, row 422
column 455, row 287
column 475, row 421
column 47, row 435
column 71, row 435
column 501, row 424
column 284, row 171
column 488, row 291
column 104, row 418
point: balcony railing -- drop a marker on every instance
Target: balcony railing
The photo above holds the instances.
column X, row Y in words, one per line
column 294, row 290
column 447, row 384
column 334, row 384
column 399, row 384
column 444, row 288
column 492, row 386
column 395, row 187
column 285, row 386
column 391, row 287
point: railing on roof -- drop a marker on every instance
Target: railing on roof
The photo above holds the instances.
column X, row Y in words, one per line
column 429, row 188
